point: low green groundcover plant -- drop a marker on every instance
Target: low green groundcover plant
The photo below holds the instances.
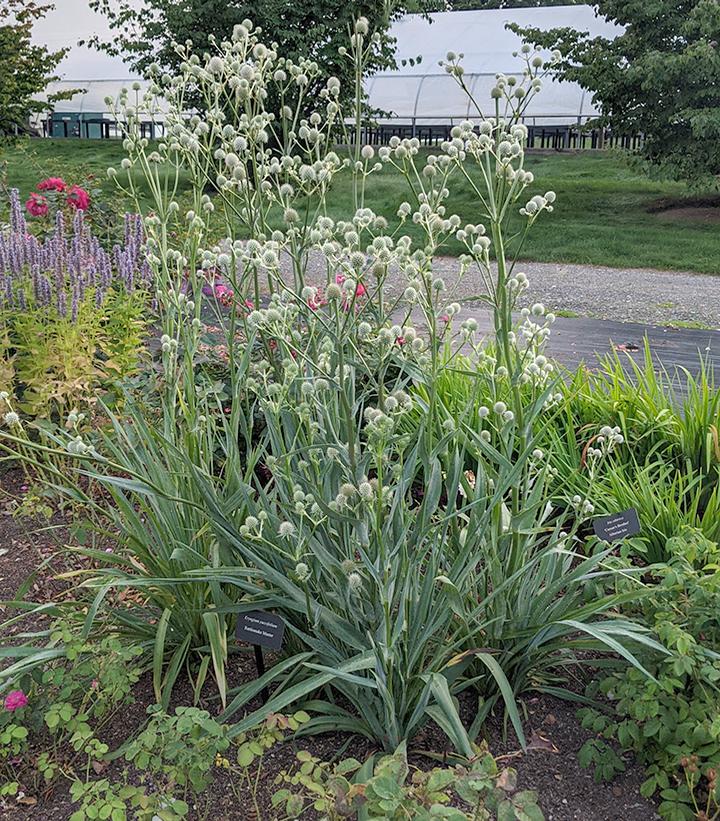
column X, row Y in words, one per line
column 671, row 722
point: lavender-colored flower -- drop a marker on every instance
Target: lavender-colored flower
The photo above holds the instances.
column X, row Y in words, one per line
column 17, row 219
column 68, row 267
column 75, row 305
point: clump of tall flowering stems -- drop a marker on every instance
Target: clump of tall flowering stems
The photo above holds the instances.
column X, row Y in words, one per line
column 413, row 553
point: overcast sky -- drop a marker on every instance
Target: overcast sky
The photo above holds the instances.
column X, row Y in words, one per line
column 69, row 22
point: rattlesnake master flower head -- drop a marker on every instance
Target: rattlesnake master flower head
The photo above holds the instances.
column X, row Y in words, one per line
column 286, row 529
column 302, row 572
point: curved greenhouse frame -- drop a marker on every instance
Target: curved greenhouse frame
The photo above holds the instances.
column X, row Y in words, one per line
column 421, row 92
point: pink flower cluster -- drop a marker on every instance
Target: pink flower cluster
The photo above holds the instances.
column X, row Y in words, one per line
column 222, row 292
column 75, row 196
column 319, row 300
column 15, row 700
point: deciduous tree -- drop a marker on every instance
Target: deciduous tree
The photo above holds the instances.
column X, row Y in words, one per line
column 661, row 78
column 314, row 29
column 27, row 68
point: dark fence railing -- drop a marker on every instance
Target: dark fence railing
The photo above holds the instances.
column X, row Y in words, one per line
column 554, row 136
column 549, row 137
column 90, row 127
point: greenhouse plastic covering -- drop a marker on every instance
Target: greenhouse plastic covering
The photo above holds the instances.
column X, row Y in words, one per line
column 426, row 94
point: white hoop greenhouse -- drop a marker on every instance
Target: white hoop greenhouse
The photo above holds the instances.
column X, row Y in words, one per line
column 415, row 94
column 424, row 94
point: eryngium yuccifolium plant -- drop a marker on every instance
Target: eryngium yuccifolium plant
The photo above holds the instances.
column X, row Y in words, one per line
column 411, row 566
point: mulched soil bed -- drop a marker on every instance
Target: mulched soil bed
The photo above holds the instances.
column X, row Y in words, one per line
column 566, row 791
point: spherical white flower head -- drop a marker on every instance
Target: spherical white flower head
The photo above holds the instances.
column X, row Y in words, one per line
column 286, row 529
column 216, row 65
column 365, row 489
column 11, row 419
column 499, row 408
column 302, row 571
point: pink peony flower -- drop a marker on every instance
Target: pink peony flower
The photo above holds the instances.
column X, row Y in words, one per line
column 37, row 205
column 15, row 700
column 78, row 198
column 52, row 184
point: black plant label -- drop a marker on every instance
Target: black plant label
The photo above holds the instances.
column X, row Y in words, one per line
column 261, row 628
column 617, row 526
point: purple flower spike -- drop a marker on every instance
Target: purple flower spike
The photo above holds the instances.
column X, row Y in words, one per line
column 66, row 268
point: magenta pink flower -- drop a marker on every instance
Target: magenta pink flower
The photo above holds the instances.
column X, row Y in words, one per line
column 359, row 291
column 37, row 205
column 224, row 294
column 52, row 184
column 15, row 700
column 78, row 198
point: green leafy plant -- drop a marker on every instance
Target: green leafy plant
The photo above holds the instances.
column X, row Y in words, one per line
column 57, row 709
column 389, row 788
column 103, row 799
column 668, row 720
column 181, row 748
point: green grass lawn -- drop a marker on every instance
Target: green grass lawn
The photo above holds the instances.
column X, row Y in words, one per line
column 602, row 216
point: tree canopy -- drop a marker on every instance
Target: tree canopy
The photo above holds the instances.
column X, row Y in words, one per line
column 26, row 68
column 465, row 5
column 660, row 78
column 312, row 29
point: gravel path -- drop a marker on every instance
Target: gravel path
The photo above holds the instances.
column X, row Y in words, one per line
column 625, row 295
column 621, row 294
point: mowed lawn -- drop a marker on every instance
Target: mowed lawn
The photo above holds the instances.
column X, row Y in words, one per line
column 605, row 214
